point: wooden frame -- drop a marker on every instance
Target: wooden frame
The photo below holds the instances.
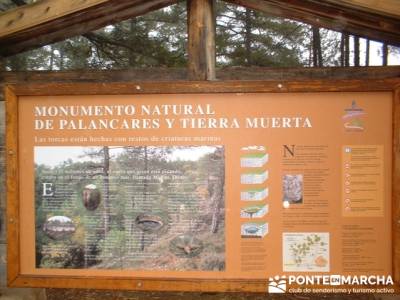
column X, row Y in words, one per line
column 12, row 92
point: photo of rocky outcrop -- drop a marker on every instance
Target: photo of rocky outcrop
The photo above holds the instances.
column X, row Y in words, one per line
column 292, row 188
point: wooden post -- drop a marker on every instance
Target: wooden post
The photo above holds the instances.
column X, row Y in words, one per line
column 13, row 255
column 396, row 186
column 201, row 44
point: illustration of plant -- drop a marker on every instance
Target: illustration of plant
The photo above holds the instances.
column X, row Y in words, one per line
column 300, row 251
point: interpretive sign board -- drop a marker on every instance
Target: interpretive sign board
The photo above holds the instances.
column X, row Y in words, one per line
column 226, row 186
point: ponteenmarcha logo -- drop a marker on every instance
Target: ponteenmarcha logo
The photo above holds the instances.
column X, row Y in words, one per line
column 277, row 285
column 284, row 284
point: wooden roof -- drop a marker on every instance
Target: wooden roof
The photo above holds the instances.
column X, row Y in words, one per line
column 48, row 21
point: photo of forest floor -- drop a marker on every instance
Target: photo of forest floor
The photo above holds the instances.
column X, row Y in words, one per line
column 139, row 208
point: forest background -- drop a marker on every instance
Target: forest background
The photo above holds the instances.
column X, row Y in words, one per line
column 244, row 37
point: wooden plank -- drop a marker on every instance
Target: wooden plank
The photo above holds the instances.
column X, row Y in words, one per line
column 331, row 16
column 142, row 284
column 3, row 238
column 27, row 16
column 76, row 294
column 147, row 74
column 386, row 7
column 170, row 74
column 51, row 21
column 13, row 259
column 201, row 39
column 182, row 87
column 396, row 185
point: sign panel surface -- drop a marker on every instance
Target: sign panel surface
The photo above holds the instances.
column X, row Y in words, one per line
column 206, row 186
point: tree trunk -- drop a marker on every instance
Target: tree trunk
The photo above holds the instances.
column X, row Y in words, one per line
column 342, row 50
column 317, row 50
column 247, row 37
column 145, row 189
column 320, row 60
column 217, row 205
column 218, row 182
column 146, row 168
column 367, row 46
column 346, row 50
column 106, row 183
column 315, row 46
column 51, row 58
column 385, row 54
column 61, row 58
column 356, row 51
column 132, row 39
column 201, row 39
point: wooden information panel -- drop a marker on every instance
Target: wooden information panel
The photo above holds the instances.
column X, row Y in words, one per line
column 225, row 186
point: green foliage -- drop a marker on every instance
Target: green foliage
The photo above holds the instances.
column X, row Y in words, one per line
column 246, row 37
column 113, row 247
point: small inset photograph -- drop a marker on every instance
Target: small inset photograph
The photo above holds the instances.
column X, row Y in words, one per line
column 292, row 188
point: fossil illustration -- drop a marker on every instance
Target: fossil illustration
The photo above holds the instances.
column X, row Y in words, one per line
column 59, row 227
column 91, row 197
column 149, row 223
column 186, row 245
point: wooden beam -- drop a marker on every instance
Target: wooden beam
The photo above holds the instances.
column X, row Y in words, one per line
column 41, row 12
column 216, row 86
column 386, row 7
column 396, row 186
column 50, row 21
column 331, row 16
column 179, row 74
column 201, row 35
